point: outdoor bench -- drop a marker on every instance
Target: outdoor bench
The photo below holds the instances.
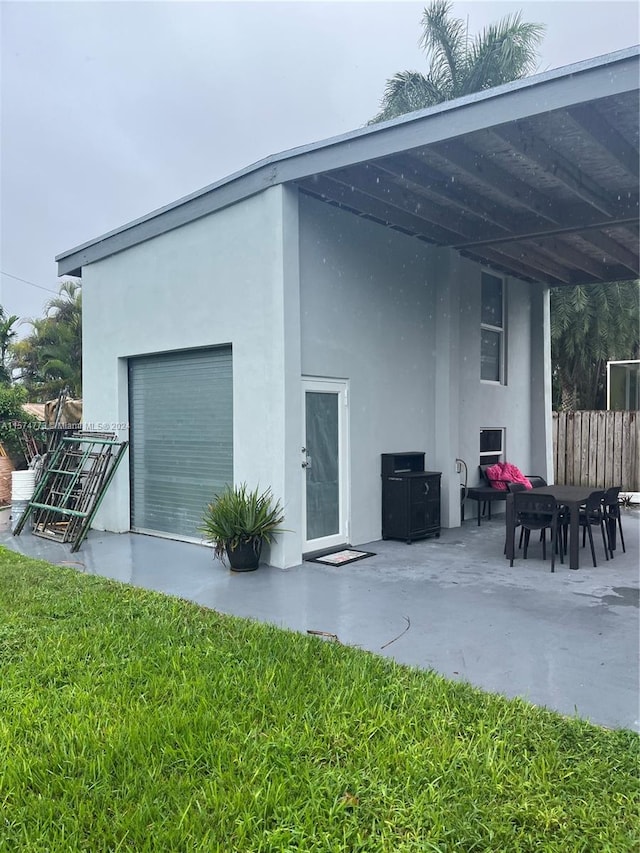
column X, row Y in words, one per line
column 485, row 495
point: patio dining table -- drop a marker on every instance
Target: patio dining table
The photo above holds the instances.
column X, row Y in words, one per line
column 571, row 497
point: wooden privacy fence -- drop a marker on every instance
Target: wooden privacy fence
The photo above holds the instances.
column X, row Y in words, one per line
column 597, row 449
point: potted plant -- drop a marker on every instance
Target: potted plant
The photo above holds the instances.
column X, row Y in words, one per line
column 239, row 521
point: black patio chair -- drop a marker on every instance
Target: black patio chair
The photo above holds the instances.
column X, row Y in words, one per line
column 563, row 520
column 591, row 514
column 484, row 482
column 536, row 481
column 517, row 487
column 611, row 509
column 538, row 512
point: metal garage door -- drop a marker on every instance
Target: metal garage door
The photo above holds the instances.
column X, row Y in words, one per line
column 181, row 433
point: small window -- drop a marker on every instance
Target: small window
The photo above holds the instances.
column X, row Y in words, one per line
column 491, row 446
column 492, row 329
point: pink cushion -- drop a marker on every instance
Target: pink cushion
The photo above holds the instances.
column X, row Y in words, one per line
column 504, row 472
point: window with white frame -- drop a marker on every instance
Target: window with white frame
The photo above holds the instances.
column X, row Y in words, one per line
column 492, row 329
column 491, row 446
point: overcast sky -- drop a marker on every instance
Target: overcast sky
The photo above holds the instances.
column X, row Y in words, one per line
column 112, row 109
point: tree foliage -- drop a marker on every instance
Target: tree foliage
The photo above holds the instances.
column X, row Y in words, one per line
column 50, row 358
column 591, row 325
column 460, row 65
column 7, row 334
column 13, row 419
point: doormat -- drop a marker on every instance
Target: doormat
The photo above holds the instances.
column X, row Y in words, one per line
column 341, row 558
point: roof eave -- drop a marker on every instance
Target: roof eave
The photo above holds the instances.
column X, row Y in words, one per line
column 543, row 93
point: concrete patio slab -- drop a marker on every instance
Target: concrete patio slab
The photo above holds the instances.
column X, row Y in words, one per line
column 568, row 641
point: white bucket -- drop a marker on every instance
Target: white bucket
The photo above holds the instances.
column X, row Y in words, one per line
column 17, row 511
column 23, row 484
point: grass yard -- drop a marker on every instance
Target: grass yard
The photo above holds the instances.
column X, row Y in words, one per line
column 131, row 721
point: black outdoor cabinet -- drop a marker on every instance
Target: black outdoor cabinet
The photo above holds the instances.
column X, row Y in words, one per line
column 410, row 497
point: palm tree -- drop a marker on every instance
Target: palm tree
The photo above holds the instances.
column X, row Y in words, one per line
column 591, row 325
column 50, row 358
column 62, row 350
column 7, row 334
column 459, row 65
column 66, row 307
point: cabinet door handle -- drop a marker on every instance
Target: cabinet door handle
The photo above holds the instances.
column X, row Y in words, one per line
column 426, row 488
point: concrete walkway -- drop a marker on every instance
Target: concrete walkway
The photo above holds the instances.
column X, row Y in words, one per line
column 568, row 641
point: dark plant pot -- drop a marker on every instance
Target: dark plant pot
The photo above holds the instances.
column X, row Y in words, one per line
column 246, row 557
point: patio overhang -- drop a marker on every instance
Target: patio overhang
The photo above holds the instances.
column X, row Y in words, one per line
column 538, row 178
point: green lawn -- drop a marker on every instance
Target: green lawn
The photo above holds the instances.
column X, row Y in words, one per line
column 131, row 721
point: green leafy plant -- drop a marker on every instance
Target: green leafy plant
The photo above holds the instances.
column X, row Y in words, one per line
column 624, row 500
column 14, row 421
column 239, row 515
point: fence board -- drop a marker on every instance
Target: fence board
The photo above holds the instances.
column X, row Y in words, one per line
column 617, row 445
column 608, row 449
column 592, row 464
column 624, row 454
column 634, row 451
column 598, row 449
column 585, row 437
column 568, row 460
column 601, row 448
column 576, row 474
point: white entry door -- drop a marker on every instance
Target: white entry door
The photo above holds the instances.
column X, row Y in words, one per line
column 324, row 461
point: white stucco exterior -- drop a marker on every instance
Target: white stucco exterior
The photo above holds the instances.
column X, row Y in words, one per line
column 219, row 280
column 401, row 321
column 299, row 288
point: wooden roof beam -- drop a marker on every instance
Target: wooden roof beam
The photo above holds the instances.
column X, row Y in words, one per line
column 415, row 173
column 377, row 186
column 561, row 251
column 518, row 261
column 511, row 266
column 492, row 176
column 574, row 225
column 353, row 200
column 358, row 202
column 607, row 137
column 537, row 151
column 535, row 260
column 614, row 250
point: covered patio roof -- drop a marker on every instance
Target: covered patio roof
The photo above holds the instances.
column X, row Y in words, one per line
column 537, row 179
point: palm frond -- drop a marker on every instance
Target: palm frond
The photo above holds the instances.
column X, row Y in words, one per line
column 444, row 40
column 406, row 92
column 503, row 52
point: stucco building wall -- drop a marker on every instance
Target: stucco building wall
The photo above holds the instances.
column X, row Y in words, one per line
column 300, row 288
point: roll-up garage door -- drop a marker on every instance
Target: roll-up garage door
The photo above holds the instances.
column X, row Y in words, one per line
column 181, row 437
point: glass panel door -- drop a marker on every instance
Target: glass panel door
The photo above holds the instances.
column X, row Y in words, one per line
column 323, row 481
column 323, row 461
